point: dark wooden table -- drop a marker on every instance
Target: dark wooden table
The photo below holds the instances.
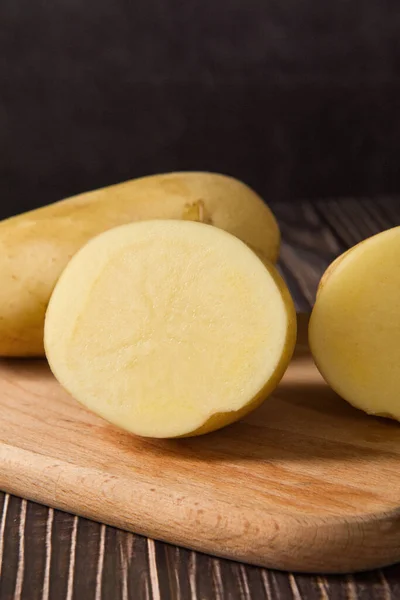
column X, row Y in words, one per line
column 47, row 554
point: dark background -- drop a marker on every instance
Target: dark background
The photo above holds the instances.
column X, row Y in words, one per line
column 299, row 98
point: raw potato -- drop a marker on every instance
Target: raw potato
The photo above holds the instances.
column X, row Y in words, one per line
column 169, row 328
column 36, row 246
column 354, row 330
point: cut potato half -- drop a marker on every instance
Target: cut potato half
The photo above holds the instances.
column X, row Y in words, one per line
column 354, row 329
column 169, row 328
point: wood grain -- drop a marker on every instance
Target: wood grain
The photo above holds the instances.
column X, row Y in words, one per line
column 314, row 233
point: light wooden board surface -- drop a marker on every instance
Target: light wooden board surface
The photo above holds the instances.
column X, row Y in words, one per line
column 305, row 483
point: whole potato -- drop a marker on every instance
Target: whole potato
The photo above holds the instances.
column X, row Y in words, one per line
column 37, row 245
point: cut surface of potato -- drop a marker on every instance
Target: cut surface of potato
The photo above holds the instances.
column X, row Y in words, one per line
column 169, row 328
column 36, row 246
column 354, row 329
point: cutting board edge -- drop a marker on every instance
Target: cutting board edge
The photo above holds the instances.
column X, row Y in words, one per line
column 281, row 541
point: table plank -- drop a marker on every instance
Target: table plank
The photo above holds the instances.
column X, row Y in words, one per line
column 47, row 554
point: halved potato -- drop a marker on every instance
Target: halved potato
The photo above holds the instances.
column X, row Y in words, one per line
column 169, row 328
column 354, row 329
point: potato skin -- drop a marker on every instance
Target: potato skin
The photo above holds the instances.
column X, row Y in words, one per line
column 36, row 246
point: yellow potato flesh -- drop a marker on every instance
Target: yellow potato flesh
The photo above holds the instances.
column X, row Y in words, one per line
column 169, row 328
column 354, row 330
column 36, row 246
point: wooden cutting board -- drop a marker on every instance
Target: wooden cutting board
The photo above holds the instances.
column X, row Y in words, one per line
column 305, row 483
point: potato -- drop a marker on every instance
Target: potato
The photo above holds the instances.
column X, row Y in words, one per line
column 354, row 329
column 36, row 246
column 169, row 328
